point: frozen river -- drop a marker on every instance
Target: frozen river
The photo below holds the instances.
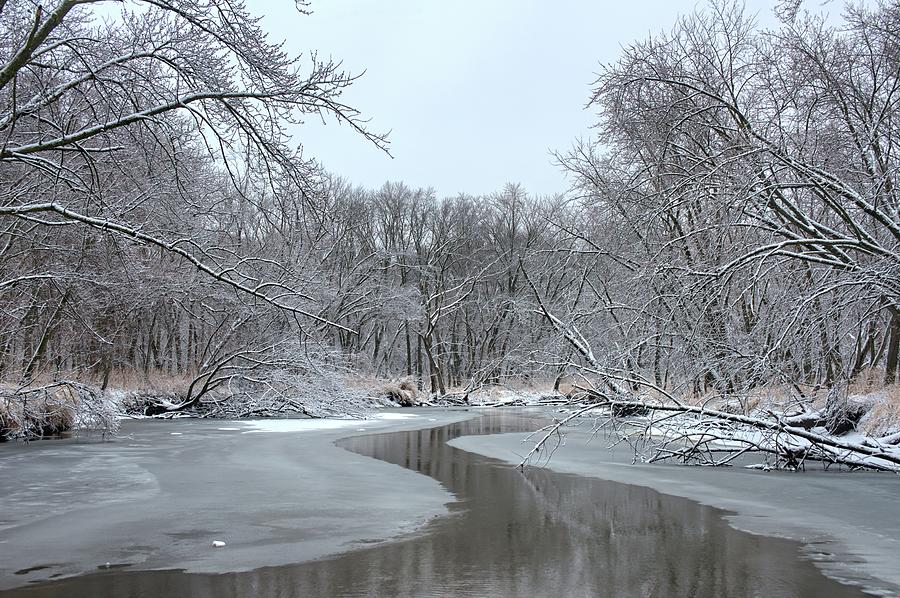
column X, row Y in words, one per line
column 305, row 510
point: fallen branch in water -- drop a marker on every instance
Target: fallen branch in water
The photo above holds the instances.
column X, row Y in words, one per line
column 698, row 434
column 712, row 437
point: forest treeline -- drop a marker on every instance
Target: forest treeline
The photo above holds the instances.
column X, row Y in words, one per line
column 733, row 221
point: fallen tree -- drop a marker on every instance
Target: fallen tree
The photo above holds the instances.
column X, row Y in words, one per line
column 733, row 255
column 660, row 426
column 705, row 436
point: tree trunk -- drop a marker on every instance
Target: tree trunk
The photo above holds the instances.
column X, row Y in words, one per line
column 892, row 360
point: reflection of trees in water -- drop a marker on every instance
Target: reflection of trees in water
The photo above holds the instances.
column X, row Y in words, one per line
column 635, row 538
column 510, row 534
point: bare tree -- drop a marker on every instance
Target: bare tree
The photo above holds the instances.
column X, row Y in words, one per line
column 145, row 145
column 739, row 202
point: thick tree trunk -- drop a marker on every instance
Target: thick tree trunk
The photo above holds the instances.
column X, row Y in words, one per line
column 892, row 359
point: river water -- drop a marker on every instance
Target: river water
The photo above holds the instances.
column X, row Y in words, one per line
column 508, row 533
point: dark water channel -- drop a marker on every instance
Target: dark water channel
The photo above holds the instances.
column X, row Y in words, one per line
column 511, row 534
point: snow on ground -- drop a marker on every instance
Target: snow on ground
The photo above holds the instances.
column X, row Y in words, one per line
column 395, row 416
column 295, row 425
column 308, row 425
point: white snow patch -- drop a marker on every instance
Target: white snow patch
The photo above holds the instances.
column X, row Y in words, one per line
column 307, row 425
column 296, row 425
column 395, row 416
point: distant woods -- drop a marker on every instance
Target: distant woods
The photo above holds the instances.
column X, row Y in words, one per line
column 733, row 222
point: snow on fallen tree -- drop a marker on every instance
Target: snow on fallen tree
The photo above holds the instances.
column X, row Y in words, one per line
column 272, row 377
column 276, row 394
column 698, row 434
column 660, row 426
column 55, row 408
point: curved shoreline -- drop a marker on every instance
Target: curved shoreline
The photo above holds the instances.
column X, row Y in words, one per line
column 157, row 496
column 858, row 546
column 548, row 516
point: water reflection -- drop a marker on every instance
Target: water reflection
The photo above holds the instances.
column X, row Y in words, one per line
column 513, row 534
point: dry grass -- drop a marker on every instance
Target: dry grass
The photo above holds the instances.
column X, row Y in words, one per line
column 867, row 381
column 124, row 380
column 11, row 416
column 372, row 391
column 405, row 392
column 129, row 390
column 39, row 413
column 155, row 380
column 364, row 382
column 884, row 417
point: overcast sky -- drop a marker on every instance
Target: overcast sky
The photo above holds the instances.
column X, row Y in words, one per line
column 476, row 93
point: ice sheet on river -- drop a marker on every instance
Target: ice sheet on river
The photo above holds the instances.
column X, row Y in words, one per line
column 164, row 490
